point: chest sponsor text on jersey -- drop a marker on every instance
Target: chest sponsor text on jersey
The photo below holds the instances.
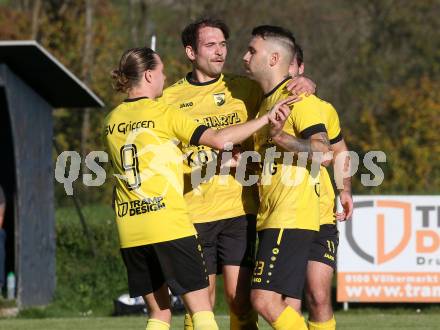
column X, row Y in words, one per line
column 137, row 207
column 220, row 120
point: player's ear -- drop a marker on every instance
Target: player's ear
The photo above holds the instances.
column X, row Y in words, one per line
column 301, row 69
column 274, row 58
column 148, row 76
column 190, row 53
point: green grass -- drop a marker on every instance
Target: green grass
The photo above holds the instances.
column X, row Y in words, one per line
column 86, row 287
column 367, row 319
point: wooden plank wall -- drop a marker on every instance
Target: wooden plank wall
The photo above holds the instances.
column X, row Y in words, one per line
column 32, row 130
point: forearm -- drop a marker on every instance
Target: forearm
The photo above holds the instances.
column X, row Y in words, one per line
column 347, row 185
column 343, row 167
column 238, row 133
column 293, row 144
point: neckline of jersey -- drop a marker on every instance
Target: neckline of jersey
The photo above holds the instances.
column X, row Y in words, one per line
column 196, row 83
column 136, row 99
column 277, row 86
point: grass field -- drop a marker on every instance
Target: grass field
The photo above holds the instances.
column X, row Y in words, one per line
column 81, row 279
column 362, row 319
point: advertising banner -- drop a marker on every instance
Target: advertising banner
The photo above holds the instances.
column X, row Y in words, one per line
column 390, row 250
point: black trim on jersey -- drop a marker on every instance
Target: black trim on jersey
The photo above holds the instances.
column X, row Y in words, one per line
column 136, row 99
column 196, row 83
column 276, row 87
column 197, row 135
column 309, row 131
column 337, row 139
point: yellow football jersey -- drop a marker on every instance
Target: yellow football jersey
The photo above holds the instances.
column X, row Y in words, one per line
column 141, row 137
column 327, row 194
column 289, row 191
column 227, row 100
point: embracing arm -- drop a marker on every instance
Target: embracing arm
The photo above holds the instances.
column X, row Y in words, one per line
column 300, row 84
column 218, row 139
column 237, row 133
column 343, row 167
column 317, row 142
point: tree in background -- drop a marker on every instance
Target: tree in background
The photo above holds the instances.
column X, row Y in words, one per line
column 362, row 54
column 407, row 130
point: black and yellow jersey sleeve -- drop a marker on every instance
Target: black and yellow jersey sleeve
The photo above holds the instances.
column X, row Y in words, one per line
column 224, row 101
column 306, row 117
column 184, row 127
column 332, row 122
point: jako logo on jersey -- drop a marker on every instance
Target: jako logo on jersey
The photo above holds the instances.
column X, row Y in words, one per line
column 219, row 98
column 221, row 120
column 186, row 105
column 382, row 256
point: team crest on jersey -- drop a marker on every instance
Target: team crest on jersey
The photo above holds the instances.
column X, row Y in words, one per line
column 122, row 209
column 219, row 99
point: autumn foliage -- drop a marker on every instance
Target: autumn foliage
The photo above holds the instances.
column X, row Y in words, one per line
column 377, row 61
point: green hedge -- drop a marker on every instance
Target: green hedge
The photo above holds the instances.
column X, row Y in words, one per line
column 86, row 282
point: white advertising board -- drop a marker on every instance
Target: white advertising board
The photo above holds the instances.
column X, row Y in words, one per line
column 390, row 250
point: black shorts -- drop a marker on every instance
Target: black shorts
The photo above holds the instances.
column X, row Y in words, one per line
column 179, row 263
column 325, row 246
column 281, row 262
column 228, row 242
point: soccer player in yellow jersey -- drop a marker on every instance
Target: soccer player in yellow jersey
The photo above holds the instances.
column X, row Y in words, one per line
column 322, row 258
column 222, row 210
column 288, row 217
column 158, row 241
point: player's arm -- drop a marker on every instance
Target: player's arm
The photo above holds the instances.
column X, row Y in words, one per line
column 300, row 84
column 317, row 142
column 340, row 148
column 218, row 139
column 341, row 163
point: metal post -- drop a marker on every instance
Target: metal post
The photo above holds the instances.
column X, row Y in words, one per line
column 153, row 42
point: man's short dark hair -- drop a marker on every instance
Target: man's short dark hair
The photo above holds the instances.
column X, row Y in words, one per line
column 299, row 56
column 190, row 33
column 277, row 32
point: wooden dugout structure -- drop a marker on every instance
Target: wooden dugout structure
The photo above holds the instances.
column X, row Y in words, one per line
column 32, row 83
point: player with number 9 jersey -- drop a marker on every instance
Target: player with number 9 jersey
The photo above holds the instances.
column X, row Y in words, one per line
column 142, row 137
